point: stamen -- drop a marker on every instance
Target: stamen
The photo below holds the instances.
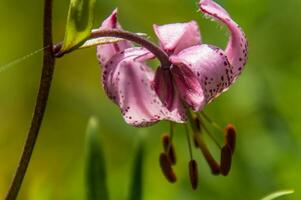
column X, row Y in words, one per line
column 230, row 137
column 214, row 124
column 193, row 174
column 188, row 140
column 171, row 130
column 215, row 168
column 195, row 140
column 166, row 168
column 210, row 134
column 226, row 160
column 172, row 155
column 197, row 123
column 169, row 148
column 191, row 119
column 165, row 141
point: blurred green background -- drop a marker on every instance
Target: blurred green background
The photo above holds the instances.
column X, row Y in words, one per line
column 264, row 105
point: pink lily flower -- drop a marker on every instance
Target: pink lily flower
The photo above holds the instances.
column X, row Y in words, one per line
column 198, row 74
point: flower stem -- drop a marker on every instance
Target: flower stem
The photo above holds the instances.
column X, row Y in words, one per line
column 45, row 83
column 157, row 51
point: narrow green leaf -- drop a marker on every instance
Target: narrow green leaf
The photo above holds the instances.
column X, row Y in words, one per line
column 136, row 189
column 277, row 194
column 98, row 41
column 95, row 171
column 79, row 23
column 104, row 40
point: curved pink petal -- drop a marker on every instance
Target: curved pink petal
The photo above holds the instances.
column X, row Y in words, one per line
column 135, row 53
column 106, row 51
column 209, row 65
column 237, row 48
column 163, row 86
column 188, row 86
column 128, row 83
column 176, row 37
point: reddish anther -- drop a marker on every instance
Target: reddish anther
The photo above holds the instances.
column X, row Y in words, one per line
column 226, row 160
column 169, row 149
column 193, row 174
column 166, row 168
column 230, row 137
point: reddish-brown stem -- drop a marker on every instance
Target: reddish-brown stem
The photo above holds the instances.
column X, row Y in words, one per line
column 157, row 51
column 45, row 83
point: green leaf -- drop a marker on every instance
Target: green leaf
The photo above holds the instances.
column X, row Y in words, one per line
column 104, row 40
column 137, row 185
column 79, row 23
column 277, row 194
column 95, row 164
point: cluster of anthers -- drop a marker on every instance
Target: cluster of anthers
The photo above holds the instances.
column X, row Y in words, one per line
column 168, row 159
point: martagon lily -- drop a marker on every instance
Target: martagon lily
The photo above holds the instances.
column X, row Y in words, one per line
column 196, row 75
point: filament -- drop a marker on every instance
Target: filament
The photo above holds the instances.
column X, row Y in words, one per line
column 188, row 140
column 171, row 130
column 210, row 134
column 214, row 124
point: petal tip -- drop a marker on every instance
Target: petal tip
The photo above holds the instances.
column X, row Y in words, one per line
column 178, row 36
column 111, row 21
column 237, row 47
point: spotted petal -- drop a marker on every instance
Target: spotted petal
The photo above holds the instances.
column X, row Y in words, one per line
column 237, row 48
column 164, row 87
column 188, row 86
column 127, row 80
column 106, row 51
column 210, row 67
column 176, row 37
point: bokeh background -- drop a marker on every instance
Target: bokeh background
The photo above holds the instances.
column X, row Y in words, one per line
column 264, row 105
